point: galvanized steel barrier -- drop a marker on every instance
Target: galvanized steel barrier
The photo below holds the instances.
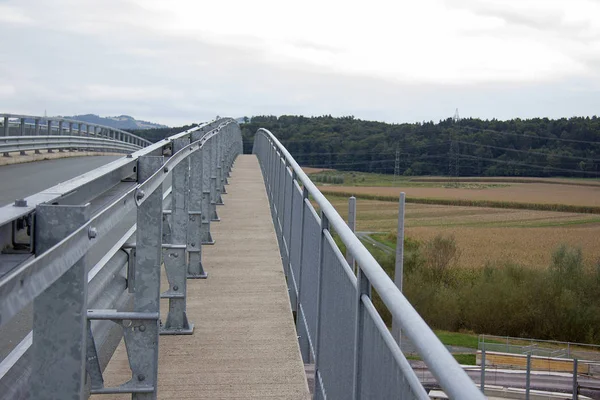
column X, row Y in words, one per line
column 33, row 133
column 88, row 252
column 339, row 329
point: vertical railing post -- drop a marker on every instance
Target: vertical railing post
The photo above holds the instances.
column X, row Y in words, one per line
column 352, row 226
column 213, row 178
column 49, row 129
column 219, row 165
column 174, row 253
column 59, row 313
column 37, row 132
column 322, row 242
column 528, row 377
column 6, row 122
column 22, row 133
column 482, row 377
column 206, row 194
column 302, row 339
column 144, row 363
column 60, row 133
column 195, row 214
column 363, row 287
column 6, row 132
column 575, row 384
column 399, row 264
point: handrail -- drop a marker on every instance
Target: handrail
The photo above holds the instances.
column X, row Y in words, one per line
column 444, row 367
column 74, row 121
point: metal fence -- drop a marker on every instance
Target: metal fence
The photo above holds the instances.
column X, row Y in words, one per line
column 33, row 133
column 539, row 347
column 339, row 329
column 82, row 260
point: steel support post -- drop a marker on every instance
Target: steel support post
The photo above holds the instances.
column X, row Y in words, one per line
column 302, row 336
column 142, row 346
column 22, row 133
column 528, row 377
column 212, row 142
column 575, row 395
column 37, row 132
column 174, row 253
column 49, row 128
column 71, row 134
column 363, row 287
column 6, row 133
column 195, row 234
column 322, row 242
column 59, row 313
column 219, row 165
column 60, row 133
column 399, row 264
column 352, row 226
column 206, row 197
column 482, row 378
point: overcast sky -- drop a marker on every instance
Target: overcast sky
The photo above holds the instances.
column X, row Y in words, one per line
column 177, row 61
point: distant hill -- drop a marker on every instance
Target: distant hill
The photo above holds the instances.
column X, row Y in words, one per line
column 124, row 122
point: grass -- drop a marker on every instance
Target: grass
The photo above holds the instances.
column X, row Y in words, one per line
column 468, row 340
column 465, row 359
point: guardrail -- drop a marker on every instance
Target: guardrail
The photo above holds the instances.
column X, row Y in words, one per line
column 339, row 329
column 87, row 253
column 34, row 133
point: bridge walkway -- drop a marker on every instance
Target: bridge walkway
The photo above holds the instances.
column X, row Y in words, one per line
column 244, row 344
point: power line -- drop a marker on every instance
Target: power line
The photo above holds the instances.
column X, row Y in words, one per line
column 527, row 165
column 529, row 136
column 530, row 152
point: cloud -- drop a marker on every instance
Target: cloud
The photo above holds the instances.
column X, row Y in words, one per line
column 181, row 61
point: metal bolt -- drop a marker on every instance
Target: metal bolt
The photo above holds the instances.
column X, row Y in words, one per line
column 175, row 287
column 20, row 203
column 174, row 255
column 166, row 169
column 140, row 194
column 142, row 328
column 193, row 244
column 141, row 377
column 129, row 156
column 192, row 218
column 92, row 232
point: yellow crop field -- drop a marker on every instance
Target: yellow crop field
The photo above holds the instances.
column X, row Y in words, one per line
column 537, row 193
column 485, row 235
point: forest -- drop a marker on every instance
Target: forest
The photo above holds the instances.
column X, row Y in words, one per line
column 538, row 147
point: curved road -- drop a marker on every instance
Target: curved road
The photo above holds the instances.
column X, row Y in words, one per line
column 22, row 180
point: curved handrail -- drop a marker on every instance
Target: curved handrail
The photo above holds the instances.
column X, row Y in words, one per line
column 444, row 367
column 74, row 121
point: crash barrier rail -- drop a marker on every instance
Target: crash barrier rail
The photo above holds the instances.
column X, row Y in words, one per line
column 34, row 133
column 90, row 253
column 339, row 328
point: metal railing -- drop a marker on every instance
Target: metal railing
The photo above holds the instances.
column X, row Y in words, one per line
column 339, row 328
column 87, row 254
column 34, row 133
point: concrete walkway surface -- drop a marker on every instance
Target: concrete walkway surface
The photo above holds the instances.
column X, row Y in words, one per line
column 244, row 345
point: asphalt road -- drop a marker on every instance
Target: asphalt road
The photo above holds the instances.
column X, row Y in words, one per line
column 22, row 180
